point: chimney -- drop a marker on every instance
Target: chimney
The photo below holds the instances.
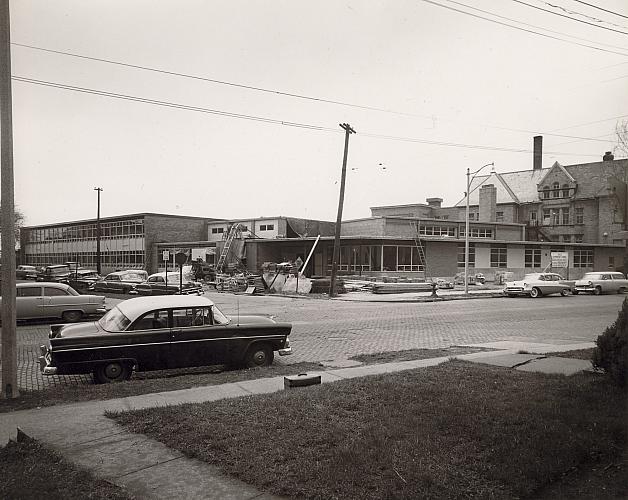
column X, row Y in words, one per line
column 488, row 203
column 608, row 156
column 434, row 202
column 538, row 153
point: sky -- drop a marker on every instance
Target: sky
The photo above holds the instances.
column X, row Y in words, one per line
column 246, row 98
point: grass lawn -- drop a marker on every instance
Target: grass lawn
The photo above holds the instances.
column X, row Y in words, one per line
column 451, row 431
column 31, row 471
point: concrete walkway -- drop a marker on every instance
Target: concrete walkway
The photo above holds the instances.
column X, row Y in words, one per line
column 148, row 469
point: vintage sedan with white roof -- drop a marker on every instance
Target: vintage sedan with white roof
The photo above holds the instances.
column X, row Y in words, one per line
column 538, row 284
column 168, row 283
column 164, row 332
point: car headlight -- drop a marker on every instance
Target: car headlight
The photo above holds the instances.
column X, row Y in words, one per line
column 590, row 283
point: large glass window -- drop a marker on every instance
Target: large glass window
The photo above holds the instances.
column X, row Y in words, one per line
column 583, row 257
column 461, row 251
column 498, row 256
column 532, row 257
column 477, row 232
column 556, row 190
column 579, row 215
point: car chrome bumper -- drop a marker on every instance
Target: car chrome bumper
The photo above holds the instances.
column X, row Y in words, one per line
column 44, row 367
column 584, row 289
column 285, row 352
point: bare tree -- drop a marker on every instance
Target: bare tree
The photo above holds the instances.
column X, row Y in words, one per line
column 621, row 131
column 19, row 222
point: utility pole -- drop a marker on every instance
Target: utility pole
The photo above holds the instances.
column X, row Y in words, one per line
column 7, row 215
column 334, row 263
column 98, row 266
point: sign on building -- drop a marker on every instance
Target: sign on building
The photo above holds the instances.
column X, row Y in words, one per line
column 560, row 259
column 165, row 255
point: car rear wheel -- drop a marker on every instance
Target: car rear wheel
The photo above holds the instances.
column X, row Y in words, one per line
column 597, row 290
column 564, row 292
column 259, row 355
column 535, row 292
column 115, row 371
column 72, row 316
column 621, row 290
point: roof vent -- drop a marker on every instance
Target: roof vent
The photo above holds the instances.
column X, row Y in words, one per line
column 608, row 156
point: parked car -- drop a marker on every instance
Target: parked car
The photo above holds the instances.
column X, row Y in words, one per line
column 155, row 333
column 55, row 300
column 24, row 272
column 120, row 281
column 538, row 284
column 58, row 272
column 82, row 279
column 156, row 285
column 444, row 283
column 602, row 282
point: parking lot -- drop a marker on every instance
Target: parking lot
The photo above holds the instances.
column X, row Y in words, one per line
column 334, row 330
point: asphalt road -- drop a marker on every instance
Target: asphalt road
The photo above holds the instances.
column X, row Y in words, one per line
column 333, row 330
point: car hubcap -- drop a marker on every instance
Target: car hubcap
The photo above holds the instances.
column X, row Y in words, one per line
column 113, row 371
column 259, row 358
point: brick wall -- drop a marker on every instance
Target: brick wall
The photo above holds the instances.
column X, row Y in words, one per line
column 442, row 258
column 363, row 227
column 488, row 203
column 160, row 229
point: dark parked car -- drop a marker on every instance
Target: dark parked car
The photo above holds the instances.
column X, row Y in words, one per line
column 82, row 279
column 23, row 272
column 58, row 272
column 120, row 281
column 155, row 333
column 156, row 285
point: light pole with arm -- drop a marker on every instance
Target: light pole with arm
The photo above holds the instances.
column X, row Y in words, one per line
column 470, row 177
column 98, row 265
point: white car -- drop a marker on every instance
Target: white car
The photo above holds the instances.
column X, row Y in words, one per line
column 538, row 284
column 602, row 282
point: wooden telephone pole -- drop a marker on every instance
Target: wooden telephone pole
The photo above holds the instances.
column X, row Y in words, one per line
column 334, row 263
column 7, row 215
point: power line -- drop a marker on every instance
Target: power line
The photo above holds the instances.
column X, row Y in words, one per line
column 533, row 25
column 300, row 96
column 600, row 8
column 523, row 29
column 262, row 119
column 467, row 146
column 569, row 17
column 593, row 123
column 582, row 14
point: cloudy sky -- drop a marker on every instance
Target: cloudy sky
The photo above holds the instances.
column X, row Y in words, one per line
column 231, row 109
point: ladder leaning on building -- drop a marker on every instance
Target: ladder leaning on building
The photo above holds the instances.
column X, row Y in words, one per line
column 419, row 247
column 225, row 249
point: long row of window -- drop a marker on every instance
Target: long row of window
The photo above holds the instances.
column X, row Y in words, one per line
column 126, row 259
column 582, row 257
column 556, row 191
column 559, row 216
column 355, row 258
column 119, row 229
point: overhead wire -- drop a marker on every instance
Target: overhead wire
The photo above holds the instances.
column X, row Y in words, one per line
column 534, row 26
column 601, row 8
column 262, row 119
column 569, row 17
column 582, row 14
column 432, row 2
column 273, row 91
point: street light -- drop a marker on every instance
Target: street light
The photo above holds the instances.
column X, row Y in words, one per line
column 98, row 267
column 470, row 177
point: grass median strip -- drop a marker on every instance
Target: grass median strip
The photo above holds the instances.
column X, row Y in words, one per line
column 454, row 430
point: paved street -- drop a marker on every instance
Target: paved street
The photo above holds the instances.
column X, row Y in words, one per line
column 326, row 330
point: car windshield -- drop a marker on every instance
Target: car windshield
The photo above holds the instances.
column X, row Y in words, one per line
column 591, row 276
column 114, row 321
column 531, row 277
column 219, row 317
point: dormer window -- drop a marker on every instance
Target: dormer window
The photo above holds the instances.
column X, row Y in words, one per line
column 546, row 192
column 555, row 190
column 565, row 190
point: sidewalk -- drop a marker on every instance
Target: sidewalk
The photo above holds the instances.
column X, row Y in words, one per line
column 148, row 469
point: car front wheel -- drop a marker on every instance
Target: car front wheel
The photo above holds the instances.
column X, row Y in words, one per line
column 597, row 290
column 535, row 292
column 115, row 371
column 564, row 292
column 259, row 355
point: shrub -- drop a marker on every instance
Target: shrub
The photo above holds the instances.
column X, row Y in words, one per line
column 611, row 353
